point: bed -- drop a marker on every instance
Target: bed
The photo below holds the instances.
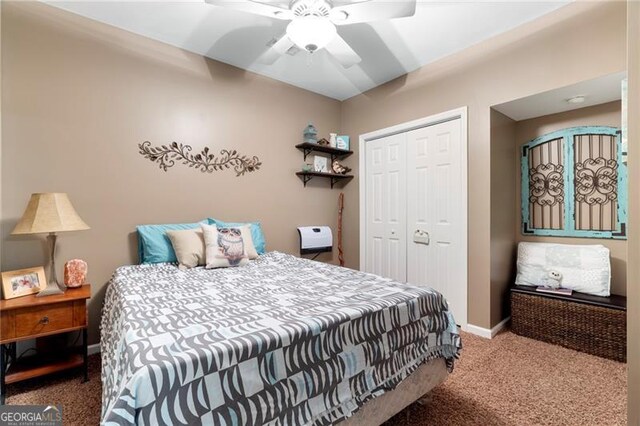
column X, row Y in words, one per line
column 282, row 340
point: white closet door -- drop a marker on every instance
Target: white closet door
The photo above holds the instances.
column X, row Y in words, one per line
column 436, row 230
column 386, row 244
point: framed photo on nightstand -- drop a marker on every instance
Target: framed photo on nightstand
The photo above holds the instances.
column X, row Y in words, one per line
column 23, row 282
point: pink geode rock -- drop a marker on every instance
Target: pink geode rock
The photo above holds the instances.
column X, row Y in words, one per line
column 75, row 273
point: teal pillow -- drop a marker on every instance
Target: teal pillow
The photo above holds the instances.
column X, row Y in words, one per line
column 256, row 232
column 154, row 245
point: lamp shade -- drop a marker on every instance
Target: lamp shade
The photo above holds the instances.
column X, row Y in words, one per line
column 49, row 212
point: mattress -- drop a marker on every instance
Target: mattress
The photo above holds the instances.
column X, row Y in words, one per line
column 282, row 340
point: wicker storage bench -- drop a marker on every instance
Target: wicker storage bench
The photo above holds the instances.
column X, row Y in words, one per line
column 591, row 324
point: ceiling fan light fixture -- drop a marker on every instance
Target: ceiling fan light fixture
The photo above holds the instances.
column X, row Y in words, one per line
column 311, row 33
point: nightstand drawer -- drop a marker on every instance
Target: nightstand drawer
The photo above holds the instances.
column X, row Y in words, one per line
column 31, row 316
column 43, row 319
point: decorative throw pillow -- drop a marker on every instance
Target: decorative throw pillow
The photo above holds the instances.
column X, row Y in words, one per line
column 188, row 246
column 583, row 268
column 256, row 232
column 154, row 245
column 225, row 247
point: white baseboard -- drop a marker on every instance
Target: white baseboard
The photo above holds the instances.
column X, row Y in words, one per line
column 94, row 349
column 485, row 332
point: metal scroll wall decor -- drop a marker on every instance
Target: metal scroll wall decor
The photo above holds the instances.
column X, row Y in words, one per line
column 168, row 155
column 546, row 185
column 596, row 182
column 575, row 184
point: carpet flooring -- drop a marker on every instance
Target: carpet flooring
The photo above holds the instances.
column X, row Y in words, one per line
column 509, row 380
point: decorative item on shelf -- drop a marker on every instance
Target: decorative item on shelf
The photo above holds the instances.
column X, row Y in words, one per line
column 310, row 134
column 333, row 143
column 339, row 169
column 75, row 273
column 23, row 282
column 166, row 157
column 323, row 142
column 50, row 213
column 320, row 164
column 342, row 142
column 306, row 167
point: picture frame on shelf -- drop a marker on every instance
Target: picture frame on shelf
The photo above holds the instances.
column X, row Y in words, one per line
column 343, row 142
column 23, row 282
column 320, row 164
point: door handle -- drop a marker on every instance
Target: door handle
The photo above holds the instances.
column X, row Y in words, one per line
column 421, row 237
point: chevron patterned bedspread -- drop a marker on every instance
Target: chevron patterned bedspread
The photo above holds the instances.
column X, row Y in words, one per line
column 281, row 341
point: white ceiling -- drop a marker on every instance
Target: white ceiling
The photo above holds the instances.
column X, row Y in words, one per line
column 388, row 49
column 598, row 91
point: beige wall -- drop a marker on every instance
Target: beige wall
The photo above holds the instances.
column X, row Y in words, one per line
column 633, row 287
column 517, row 64
column 503, row 192
column 78, row 97
column 600, row 115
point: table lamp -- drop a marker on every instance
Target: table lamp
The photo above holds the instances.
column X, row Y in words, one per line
column 50, row 213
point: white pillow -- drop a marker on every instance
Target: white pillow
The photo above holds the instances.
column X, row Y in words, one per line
column 584, row 268
column 226, row 247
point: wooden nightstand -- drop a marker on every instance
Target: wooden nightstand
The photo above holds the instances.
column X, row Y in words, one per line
column 30, row 317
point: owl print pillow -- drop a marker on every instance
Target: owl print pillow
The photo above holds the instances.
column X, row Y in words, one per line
column 225, row 247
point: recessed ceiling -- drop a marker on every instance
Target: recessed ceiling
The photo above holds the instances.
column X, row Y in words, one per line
column 388, row 49
column 598, row 91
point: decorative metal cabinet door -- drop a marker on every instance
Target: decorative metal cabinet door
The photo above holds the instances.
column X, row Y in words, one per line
column 574, row 184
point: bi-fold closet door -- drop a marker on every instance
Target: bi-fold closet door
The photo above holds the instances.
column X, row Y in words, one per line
column 386, row 186
column 414, row 210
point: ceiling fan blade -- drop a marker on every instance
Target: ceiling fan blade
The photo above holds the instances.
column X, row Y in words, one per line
column 255, row 7
column 343, row 53
column 372, row 10
column 277, row 50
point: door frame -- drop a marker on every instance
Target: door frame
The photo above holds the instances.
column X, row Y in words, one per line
column 454, row 114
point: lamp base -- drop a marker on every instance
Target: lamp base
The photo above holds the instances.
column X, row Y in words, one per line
column 51, row 289
column 52, row 286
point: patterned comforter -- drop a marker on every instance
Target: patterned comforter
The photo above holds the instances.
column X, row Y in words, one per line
column 280, row 341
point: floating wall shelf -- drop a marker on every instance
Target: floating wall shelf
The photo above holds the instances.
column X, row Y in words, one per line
column 335, row 178
column 335, row 153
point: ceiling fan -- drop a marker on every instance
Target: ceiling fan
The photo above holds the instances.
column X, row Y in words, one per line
column 313, row 22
